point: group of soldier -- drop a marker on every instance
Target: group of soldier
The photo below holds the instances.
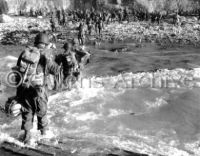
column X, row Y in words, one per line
column 92, row 22
column 35, row 64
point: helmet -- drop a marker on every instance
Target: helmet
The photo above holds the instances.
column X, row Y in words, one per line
column 67, row 46
column 42, row 38
column 75, row 41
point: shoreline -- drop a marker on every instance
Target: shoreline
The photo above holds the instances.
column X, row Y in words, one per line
column 165, row 35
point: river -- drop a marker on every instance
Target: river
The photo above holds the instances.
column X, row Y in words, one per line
column 144, row 100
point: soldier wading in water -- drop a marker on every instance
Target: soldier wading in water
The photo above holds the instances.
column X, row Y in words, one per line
column 34, row 67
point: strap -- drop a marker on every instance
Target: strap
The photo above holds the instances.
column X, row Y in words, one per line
column 2, row 109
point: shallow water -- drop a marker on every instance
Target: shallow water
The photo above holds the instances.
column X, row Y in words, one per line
column 119, row 104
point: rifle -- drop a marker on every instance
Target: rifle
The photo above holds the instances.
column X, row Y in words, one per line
column 25, row 74
column 2, row 109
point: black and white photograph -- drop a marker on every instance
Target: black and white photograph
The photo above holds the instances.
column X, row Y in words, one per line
column 99, row 77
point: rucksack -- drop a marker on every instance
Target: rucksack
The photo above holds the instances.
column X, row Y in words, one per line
column 68, row 59
column 29, row 62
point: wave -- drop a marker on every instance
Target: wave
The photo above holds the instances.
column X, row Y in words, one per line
column 149, row 112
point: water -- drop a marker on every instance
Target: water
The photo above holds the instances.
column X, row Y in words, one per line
column 143, row 101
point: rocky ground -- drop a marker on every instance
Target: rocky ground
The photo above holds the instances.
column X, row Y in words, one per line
column 164, row 34
column 23, row 30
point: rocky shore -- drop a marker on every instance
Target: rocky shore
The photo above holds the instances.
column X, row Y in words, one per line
column 165, row 34
column 22, row 30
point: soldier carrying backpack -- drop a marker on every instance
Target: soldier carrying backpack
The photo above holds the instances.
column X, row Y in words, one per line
column 69, row 65
column 34, row 67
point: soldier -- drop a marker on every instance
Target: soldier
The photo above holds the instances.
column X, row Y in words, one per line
column 92, row 15
column 199, row 13
column 99, row 26
column 126, row 14
column 69, row 65
column 58, row 15
column 81, row 33
column 53, row 24
column 90, row 27
column 63, row 17
column 120, row 15
column 176, row 18
column 82, row 56
column 31, row 12
column 34, row 67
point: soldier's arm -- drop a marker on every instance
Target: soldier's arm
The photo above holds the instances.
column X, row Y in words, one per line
column 85, row 57
column 52, row 68
column 19, row 59
column 83, row 52
column 74, row 60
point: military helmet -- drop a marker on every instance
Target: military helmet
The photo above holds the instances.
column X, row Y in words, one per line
column 67, row 45
column 42, row 38
column 75, row 41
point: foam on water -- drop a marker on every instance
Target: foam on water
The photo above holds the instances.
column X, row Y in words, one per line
column 143, row 119
column 148, row 112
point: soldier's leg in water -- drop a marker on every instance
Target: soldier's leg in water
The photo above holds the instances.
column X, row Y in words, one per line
column 100, row 29
column 27, row 123
column 79, row 39
column 83, row 39
column 41, row 109
column 66, row 80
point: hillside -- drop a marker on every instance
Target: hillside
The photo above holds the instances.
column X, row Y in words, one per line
column 151, row 5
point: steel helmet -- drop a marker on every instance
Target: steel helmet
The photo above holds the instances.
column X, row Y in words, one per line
column 67, row 46
column 42, row 38
column 75, row 41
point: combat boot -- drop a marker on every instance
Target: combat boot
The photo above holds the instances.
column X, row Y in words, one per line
column 43, row 131
column 27, row 137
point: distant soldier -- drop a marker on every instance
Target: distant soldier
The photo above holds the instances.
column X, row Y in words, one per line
column 81, row 33
column 99, row 26
column 31, row 12
column 90, row 27
column 63, row 17
column 59, row 16
column 53, row 24
column 126, row 14
column 92, row 14
column 120, row 15
column 158, row 17
column 176, row 18
column 82, row 56
column 199, row 13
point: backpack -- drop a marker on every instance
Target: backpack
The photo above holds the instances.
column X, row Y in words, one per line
column 29, row 62
column 68, row 59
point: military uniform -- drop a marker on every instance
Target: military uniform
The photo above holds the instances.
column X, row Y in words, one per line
column 33, row 95
column 69, row 65
column 82, row 56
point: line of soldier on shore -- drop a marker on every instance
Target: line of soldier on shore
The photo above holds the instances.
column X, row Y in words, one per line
column 92, row 22
column 138, row 13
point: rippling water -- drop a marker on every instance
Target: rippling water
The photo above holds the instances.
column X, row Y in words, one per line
column 124, row 101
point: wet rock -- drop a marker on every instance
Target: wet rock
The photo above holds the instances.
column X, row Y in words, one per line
column 5, row 18
column 22, row 30
column 189, row 29
column 119, row 50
